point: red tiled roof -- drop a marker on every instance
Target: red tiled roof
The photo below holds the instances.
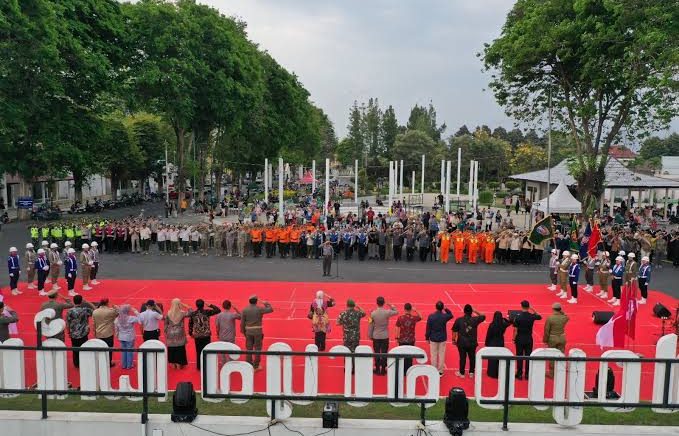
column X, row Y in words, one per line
column 620, row 152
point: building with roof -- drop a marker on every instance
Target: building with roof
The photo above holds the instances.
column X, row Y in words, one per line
column 621, row 184
column 622, row 153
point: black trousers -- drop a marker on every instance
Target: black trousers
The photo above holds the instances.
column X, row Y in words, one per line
column 408, row 361
column 42, row 277
column 13, row 281
column 149, row 335
column 398, row 249
column 410, row 251
column 380, row 346
column 643, row 287
column 75, row 343
column 327, row 265
column 319, row 339
column 617, row 288
column 94, row 270
column 382, row 251
column 523, row 348
column 574, row 289
column 200, row 344
column 109, row 342
column 423, row 253
column 71, row 281
column 467, row 351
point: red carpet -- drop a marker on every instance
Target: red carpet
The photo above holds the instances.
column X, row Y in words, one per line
column 289, row 324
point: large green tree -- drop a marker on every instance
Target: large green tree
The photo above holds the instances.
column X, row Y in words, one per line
column 608, row 64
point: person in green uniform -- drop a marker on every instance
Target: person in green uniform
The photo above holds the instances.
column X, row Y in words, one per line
column 555, row 333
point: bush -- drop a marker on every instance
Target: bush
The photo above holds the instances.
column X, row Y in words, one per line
column 493, row 185
column 485, row 197
column 501, row 194
column 512, row 184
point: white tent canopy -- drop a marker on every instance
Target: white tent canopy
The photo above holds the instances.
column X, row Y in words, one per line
column 560, row 201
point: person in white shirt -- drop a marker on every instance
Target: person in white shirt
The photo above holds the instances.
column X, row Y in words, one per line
column 145, row 236
column 185, row 238
column 161, row 235
column 173, row 237
column 195, row 239
column 149, row 320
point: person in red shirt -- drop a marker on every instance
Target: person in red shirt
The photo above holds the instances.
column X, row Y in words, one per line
column 405, row 330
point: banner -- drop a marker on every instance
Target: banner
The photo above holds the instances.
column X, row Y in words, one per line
column 542, row 230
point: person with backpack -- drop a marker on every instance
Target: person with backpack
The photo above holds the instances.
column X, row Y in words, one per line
column 465, row 336
column 199, row 326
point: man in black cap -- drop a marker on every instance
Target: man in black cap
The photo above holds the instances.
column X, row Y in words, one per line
column 523, row 336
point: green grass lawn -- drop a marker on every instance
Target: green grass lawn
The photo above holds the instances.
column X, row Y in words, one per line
column 372, row 411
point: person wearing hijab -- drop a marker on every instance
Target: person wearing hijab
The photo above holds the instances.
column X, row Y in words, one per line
column 175, row 334
column 321, row 301
column 495, row 337
column 124, row 329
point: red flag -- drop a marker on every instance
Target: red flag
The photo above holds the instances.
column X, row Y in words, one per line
column 594, row 240
column 629, row 297
column 612, row 334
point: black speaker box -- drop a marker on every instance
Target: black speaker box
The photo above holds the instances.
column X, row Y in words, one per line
column 601, row 317
column 330, row 416
column 457, row 410
column 184, row 403
column 661, row 311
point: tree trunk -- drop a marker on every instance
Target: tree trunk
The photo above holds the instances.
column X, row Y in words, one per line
column 115, row 180
column 25, row 190
column 78, row 186
column 219, row 172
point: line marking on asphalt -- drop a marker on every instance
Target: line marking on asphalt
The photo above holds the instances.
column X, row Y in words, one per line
column 451, row 300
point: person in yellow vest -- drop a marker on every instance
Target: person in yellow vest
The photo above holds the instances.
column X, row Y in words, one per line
column 35, row 234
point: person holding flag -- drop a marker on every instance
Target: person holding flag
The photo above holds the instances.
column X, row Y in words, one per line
column 618, row 272
column 604, row 266
column 623, row 323
column 573, row 276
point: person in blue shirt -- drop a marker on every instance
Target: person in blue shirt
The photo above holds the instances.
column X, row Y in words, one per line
column 573, row 276
column 362, row 241
column 334, row 241
column 14, row 270
column 618, row 273
column 42, row 267
column 71, row 271
column 436, row 335
column 348, row 241
column 644, row 277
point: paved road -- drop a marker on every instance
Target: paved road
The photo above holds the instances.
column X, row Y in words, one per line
column 134, row 266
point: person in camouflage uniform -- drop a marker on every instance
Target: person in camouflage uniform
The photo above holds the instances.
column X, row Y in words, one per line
column 350, row 320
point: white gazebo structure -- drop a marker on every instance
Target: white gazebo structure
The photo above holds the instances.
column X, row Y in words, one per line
column 560, row 201
column 618, row 178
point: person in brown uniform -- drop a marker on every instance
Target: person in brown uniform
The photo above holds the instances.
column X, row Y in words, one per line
column 251, row 327
column 555, row 333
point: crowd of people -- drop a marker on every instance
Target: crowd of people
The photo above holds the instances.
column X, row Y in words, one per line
column 206, row 322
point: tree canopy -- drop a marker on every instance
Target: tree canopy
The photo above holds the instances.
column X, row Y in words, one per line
column 607, row 65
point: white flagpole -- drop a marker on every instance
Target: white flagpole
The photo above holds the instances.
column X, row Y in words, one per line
column 391, row 176
column 459, row 167
column 313, row 176
column 266, row 180
column 448, row 178
column 281, row 205
column 476, row 185
column 327, row 188
column 400, row 192
column 412, row 180
column 422, row 180
column 443, row 176
column 356, row 182
column 470, row 191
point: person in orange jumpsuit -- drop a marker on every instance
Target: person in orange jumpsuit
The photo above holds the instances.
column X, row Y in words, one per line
column 473, row 248
column 256, row 238
column 270, row 235
column 459, row 242
column 283, row 240
column 489, row 249
column 444, row 238
column 295, row 233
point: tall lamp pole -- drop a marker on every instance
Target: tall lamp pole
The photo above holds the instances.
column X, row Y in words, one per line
column 549, row 150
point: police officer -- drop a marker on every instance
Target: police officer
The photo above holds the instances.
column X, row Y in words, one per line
column 94, row 252
column 590, row 264
column 631, row 269
column 563, row 273
column 573, row 276
column 14, row 269
column 644, row 277
column 553, row 269
column 618, row 272
column 71, row 271
column 30, row 267
column 86, row 266
column 35, row 234
column 42, row 267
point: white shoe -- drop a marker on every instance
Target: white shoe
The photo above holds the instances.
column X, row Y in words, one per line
column 551, row 288
column 15, row 292
column 616, row 302
column 31, row 286
column 42, row 293
column 611, row 300
column 94, row 282
column 563, row 296
column 641, row 301
column 588, row 289
column 572, row 301
column 87, row 288
column 602, row 294
column 56, row 288
column 72, row 293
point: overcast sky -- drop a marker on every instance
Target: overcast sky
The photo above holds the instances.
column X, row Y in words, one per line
column 400, row 51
